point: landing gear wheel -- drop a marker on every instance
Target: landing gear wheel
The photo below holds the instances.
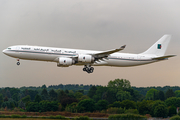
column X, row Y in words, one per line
column 91, row 70
column 84, row 69
column 18, row 63
column 88, row 69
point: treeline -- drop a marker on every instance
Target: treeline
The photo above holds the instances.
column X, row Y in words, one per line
column 143, row 90
column 73, row 87
column 117, row 97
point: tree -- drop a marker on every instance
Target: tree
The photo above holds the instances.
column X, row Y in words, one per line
column 68, row 101
column 154, row 105
column 15, row 97
column 151, row 94
column 71, row 95
column 116, row 104
column 81, row 91
column 44, row 94
column 5, row 104
column 52, row 94
column 161, row 95
column 173, row 101
column 9, row 104
column 43, row 106
column 123, row 95
column 44, row 86
column 14, row 90
column 87, row 105
column 61, row 95
column 101, row 105
column 169, row 93
column 12, row 103
column 33, row 107
column 48, row 106
column 5, row 99
column 109, row 95
column 119, row 84
column 26, row 99
column 66, row 91
column 160, row 111
column 8, row 94
column 21, row 104
column 92, row 91
column 1, row 99
column 127, row 104
column 84, row 97
column 144, row 106
column 135, row 95
column 100, row 94
column 71, row 108
column 78, row 95
column 71, row 92
column 32, row 93
column 172, row 110
column 177, row 93
column 38, row 98
column 25, row 92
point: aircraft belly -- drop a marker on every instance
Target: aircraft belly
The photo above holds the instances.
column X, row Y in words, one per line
column 127, row 63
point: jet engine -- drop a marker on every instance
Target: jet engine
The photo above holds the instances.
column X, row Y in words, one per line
column 65, row 62
column 85, row 58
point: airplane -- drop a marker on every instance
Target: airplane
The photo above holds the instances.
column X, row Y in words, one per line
column 65, row 57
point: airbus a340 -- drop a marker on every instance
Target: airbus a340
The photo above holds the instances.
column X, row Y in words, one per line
column 66, row 57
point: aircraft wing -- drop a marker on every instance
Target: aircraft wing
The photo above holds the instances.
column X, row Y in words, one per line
column 163, row 57
column 106, row 53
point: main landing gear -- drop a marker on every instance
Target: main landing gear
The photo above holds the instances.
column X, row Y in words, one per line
column 18, row 63
column 88, row 69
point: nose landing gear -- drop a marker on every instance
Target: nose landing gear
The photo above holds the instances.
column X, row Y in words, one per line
column 88, row 69
column 18, row 63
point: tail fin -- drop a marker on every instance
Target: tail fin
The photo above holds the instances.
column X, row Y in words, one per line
column 159, row 48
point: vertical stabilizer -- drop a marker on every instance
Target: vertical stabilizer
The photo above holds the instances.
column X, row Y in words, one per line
column 159, row 48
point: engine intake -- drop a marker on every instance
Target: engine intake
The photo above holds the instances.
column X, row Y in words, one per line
column 85, row 58
column 65, row 62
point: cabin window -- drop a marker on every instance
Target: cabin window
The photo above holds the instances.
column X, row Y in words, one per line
column 9, row 48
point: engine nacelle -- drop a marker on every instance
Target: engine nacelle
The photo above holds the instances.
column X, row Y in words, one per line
column 85, row 58
column 65, row 62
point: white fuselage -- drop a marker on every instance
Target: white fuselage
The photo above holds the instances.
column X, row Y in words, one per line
column 53, row 54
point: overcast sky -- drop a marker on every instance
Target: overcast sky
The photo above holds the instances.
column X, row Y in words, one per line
column 92, row 25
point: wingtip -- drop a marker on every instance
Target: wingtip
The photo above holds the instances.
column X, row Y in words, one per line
column 174, row 55
column 122, row 47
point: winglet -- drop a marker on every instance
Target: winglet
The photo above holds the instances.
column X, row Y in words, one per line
column 122, row 47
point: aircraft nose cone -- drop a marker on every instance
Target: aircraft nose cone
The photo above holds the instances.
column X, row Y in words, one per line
column 4, row 51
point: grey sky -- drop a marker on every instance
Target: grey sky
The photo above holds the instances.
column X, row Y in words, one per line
column 89, row 24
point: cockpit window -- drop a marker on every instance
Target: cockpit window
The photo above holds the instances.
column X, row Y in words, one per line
column 9, row 48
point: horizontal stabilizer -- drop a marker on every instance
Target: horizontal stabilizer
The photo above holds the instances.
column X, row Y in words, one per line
column 163, row 57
